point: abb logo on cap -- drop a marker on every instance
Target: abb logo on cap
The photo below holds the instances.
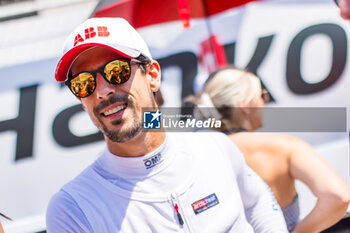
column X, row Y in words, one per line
column 102, row 31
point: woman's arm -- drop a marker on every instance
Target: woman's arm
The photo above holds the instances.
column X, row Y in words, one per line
column 333, row 194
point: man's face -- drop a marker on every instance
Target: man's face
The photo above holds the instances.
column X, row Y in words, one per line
column 116, row 109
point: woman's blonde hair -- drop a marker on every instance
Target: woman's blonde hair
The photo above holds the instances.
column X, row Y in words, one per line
column 226, row 90
column 231, row 87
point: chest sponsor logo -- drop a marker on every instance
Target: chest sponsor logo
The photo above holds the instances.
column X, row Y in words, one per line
column 153, row 161
column 205, row 203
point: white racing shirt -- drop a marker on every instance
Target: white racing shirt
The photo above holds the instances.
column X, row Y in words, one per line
column 194, row 182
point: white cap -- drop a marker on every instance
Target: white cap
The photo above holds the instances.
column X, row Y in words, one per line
column 112, row 33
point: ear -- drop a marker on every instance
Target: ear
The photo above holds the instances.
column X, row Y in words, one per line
column 244, row 109
column 153, row 71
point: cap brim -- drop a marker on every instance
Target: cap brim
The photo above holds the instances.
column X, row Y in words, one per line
column 69, row 57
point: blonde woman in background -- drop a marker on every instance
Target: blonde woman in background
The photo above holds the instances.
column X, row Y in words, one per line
column 278, row 159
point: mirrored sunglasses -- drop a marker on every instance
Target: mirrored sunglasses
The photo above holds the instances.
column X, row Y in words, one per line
column 115, row 72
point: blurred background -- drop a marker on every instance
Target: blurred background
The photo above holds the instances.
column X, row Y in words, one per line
column 298, row 48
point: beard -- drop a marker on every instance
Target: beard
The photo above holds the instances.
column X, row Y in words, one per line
column 119, row 135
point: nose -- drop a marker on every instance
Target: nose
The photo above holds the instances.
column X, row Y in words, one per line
column 103, row 88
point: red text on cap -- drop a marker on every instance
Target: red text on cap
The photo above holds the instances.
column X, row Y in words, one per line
column 90, row 32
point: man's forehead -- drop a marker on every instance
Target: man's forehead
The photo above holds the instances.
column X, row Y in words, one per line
column 94, row 56
column 96, row 52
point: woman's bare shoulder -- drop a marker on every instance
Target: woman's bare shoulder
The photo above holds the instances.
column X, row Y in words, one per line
column 271, row 144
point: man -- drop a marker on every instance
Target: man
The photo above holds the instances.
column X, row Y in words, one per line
column 149, row 181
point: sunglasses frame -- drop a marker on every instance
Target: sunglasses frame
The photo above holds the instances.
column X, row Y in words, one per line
column 100, row 70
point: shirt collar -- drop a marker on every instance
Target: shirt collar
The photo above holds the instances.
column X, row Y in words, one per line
column 146, row 165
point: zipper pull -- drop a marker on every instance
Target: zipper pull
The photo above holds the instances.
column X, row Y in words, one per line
column 181, row 221
column 176, row 207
